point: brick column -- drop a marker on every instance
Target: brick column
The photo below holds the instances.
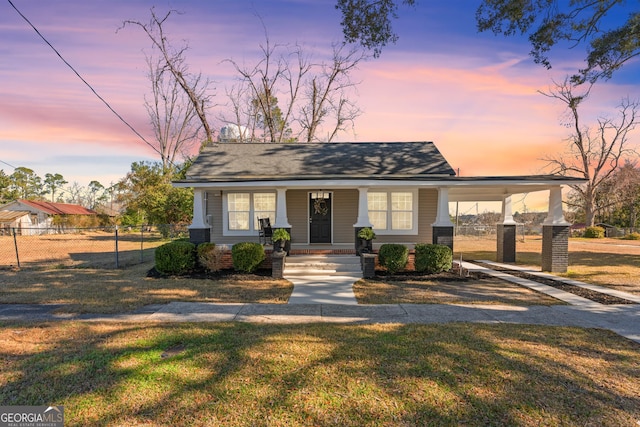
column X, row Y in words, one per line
column 506, row 238
column 443, row 236
column 199, row 231
column 555, row 235
column 277, row 264
column 368, row 262
column 555, row 248
column 442, row 229
column 199, row 235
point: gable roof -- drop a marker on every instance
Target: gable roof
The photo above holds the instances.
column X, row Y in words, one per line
column 227, row 162
column 57, row 208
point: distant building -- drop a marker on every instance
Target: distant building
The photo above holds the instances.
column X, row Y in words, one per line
column 36, row 215
column 233, row 133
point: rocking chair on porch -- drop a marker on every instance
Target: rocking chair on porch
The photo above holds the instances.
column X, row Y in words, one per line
column 266, row 232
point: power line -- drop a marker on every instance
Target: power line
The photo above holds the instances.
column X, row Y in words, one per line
column 84, row 81
column 11, row 166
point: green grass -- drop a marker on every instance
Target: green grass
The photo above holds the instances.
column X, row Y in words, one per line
column 237, row 374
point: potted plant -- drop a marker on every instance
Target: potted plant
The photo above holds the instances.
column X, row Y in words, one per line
column 365, row 240
column 280, row 237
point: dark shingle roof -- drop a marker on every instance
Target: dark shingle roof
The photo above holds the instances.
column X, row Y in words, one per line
column 370, row 160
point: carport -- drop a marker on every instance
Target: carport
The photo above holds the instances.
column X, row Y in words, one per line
column 555, row 229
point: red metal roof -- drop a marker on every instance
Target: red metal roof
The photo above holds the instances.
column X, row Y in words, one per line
column 58, row 208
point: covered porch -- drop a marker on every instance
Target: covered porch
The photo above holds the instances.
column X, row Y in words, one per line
column 346, row 206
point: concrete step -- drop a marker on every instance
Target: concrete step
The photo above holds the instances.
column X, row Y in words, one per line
column 312, row 265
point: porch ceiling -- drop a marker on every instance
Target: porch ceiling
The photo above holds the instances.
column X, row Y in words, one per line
column 489, row 189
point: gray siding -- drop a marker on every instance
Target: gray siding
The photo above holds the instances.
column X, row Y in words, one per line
column 427, row 209
column 345, row 214
column 344, row 211
column 297, row 212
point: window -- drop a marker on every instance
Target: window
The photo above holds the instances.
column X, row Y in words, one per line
column 264, row 205
column 239, row 211
column 392, row 211
column 244, row 209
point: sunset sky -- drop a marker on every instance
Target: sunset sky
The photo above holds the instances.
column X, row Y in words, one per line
column 474, row 95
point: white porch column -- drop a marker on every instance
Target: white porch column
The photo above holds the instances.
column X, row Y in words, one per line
column 198, row 210
column 282, row 221
column 442, row 214
column 507, row 211
column 506, row 233
column 555, row 215
column 363, row 208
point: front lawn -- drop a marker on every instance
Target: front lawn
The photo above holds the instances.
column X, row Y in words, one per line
column 238, row 374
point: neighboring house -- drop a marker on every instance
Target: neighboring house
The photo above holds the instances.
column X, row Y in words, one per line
column 325, row 192
column 14, row 220
column 41, row 214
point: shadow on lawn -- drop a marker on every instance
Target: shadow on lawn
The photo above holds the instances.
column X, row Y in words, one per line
column 248, row 374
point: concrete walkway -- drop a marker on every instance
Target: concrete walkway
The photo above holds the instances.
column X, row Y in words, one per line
column 333, row 304
column 621, row 319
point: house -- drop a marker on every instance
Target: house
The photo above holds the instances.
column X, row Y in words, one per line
column 41, row 214
column 324, row 193
column 14, row 220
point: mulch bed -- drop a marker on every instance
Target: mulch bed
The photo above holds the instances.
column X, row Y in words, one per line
column 201, row 274
column 595, row 296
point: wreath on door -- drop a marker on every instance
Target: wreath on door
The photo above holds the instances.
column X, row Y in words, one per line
column 320, row 207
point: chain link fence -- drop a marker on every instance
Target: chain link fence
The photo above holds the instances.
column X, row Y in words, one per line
column 490, row 231
column 96, row 247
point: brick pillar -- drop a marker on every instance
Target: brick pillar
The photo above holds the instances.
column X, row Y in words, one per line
column 368, row 265
column 443, row 236
column 506, row 238
column 277, row 264
column 555, row 248
column 199, row 235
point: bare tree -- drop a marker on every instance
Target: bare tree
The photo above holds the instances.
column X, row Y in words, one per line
column 175, row 63
column 326, row 96
column 173, row 117
column 264, row 81
column 593, row 153
column 310, row 94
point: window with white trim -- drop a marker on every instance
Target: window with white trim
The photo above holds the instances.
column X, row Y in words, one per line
column 393, row 212
column 244, row 209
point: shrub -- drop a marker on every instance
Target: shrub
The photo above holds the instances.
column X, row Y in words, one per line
column 247, row 256
column 175, row 257
column 393, row 256
column 594, row 232
column 433, row 258
column 366, row 233
column 632, row 236
column 280, row 234
column 209, row 256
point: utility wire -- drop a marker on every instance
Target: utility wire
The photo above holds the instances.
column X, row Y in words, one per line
column 84, row 81
column 11, row 166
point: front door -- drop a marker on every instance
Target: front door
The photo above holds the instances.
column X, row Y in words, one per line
column 320, row 217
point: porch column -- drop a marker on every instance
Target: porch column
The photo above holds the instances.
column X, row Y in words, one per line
column 442, row 229
column 199, row 231
column 506, row 233
column 363, row 215
column 282, row 221
column 555, row 235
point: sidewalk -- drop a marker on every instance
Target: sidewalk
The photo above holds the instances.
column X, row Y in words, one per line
column 621, row 319
column 331, row 300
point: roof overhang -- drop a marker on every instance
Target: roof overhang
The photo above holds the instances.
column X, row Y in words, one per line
column 460, row 189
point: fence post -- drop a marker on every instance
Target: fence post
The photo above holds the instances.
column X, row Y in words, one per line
column 141, row 244
column 116, row 234
column 15, row 244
